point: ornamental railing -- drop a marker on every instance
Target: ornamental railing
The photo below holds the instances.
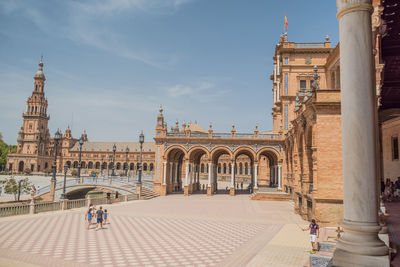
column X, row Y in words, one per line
column 34, row 208
column 225, row 135
column 309, row 44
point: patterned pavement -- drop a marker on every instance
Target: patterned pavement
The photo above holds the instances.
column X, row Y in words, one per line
column 166, row 231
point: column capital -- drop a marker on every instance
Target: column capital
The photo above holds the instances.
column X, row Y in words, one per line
column 347, row 6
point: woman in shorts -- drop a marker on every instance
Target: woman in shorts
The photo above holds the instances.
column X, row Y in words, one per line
column 89, row 215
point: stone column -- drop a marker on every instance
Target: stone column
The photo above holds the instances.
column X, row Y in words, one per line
column 256, row 176
column 232, row 190
column 210, row 171
column 360, row 244
column 186, row 187
column 165, row 173
column 176, row 173
column 279, row 177
column 171, row 177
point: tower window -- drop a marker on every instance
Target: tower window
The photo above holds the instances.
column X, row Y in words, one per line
column 286, row 117
column 303, row 85
column 286, row 60
column 286, row 84
column 395, row 148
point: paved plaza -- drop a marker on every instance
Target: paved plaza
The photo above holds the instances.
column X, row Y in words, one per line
column 165, row 231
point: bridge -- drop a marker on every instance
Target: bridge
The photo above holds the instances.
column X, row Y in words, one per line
column 124, row 185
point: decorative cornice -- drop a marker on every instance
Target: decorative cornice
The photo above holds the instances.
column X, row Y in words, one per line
column 347, row 6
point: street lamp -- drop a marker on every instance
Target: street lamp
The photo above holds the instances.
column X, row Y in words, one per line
column 141, row 141
column 113, row 167
column 63, row 195
column 108, row 169
column 126, row 169
column 57, row 137
column 80, row 157
column 102, row 167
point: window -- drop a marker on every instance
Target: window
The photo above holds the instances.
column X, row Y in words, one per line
column 395, row 148
column 286, row 60
column 286, row 117
column 303, row 85
column 286, row 84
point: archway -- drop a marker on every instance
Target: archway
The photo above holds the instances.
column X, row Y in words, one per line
column 175, row 167
column 198, row 157
column 244, row 180
column 219, row 181
column 269, row 172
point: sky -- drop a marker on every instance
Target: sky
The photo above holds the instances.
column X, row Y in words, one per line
column 110, row 64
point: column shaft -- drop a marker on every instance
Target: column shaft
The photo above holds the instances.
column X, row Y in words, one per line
column 255, row 175
column 210, row 170
column 165, row 173
column 187, row 173
column 233, row 175
column 359, row 245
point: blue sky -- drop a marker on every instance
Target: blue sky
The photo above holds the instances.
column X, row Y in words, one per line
column 109, row 64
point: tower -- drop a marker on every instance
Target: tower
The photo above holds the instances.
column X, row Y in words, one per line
column 161, row 128
column 34, row 138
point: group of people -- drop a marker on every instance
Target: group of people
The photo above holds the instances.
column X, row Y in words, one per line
column 390, row 190
column 99, row 214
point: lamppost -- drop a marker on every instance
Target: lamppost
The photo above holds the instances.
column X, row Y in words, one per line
column 57, row 137
column 113, row 167
column 63, row 195
column 110, row 160
column 141, row 141
column 126, row 169
column 80, row 157
column 102, row 167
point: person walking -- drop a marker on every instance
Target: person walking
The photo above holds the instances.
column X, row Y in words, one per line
column 100, row 217
column 89, row 215
column 314, row 234
column 105, row 216
column 241, row 185
column 397, row 187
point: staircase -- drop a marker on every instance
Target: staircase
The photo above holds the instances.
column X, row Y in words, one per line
column 148, row 194
column 269, row 194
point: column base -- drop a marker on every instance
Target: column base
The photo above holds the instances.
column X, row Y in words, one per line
column 186, row 190
column 209, row 191
column 163, row 191
column 255, row 190
column 52, row 189
column 344, row 258
column 139, row 191
column 232, row 191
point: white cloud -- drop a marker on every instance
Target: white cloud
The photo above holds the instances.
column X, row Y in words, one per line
column 204, row 90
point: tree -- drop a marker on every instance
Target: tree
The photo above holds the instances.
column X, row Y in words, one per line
column 14, row 187
column 4, row 150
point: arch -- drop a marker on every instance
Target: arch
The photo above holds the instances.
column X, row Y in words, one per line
column 97, row 165
column 68, row 164
column 145, row 167
column 132, row 166
column 21, row 165
column 246, row 150
column 173, row 152
column 202, row 168
column 111, row 165
column 271, row 153
column 104, row 165
column 137, row 166
column 83, row 164
column 218, row 151
column 90, row 165
column 195, row 153
column 151, row 167
column 125, row 167
column 75, row 165
column 118, row 165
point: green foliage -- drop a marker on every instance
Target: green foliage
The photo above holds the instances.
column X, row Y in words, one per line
column 4, row 150
column 11, row 186
column 47, row 171
column 74, row 172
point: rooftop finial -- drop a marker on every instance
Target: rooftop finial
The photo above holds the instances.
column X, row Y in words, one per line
column 327, row 38
column 161, row 109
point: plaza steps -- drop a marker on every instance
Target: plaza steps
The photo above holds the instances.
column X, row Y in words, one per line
column 323, row 257
column 148, row 194
column 270, row 194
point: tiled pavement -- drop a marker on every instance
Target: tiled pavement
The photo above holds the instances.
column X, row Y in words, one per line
column 166, row 231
